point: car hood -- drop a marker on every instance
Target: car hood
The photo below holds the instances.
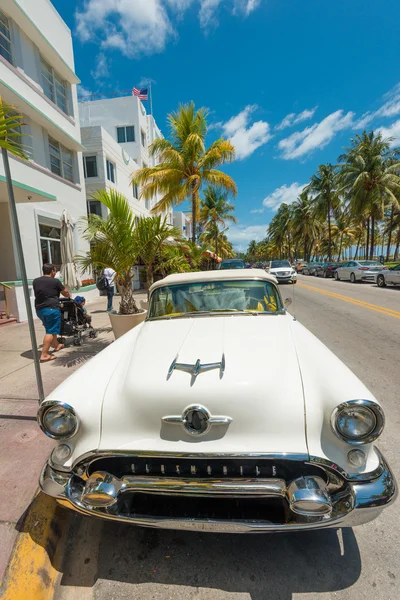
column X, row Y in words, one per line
column 275, row 269
column 260, row 389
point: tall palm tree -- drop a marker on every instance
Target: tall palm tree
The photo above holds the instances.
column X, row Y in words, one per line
column 280, row 231
column 369, row 176
column 343, row 232
column 323, row 186
column 306, row 228
column 158, row 251
column 252, row 249
column 215, row 239
column 215, row 211
column 185, row 163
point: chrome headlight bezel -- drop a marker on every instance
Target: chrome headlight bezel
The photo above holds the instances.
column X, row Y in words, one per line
column 45, row 407
column 373, row 434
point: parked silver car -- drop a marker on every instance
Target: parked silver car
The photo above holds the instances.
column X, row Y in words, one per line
column 391, row 276
column 359, row 270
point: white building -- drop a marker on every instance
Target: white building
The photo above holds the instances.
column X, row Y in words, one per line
column 37, row 76
column 108, row 166
column 184, row 223
column 126, row 132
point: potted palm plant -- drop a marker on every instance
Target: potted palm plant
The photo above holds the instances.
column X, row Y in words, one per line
column 114, row 244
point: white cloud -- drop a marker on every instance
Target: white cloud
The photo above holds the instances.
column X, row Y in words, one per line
column 208, row 13
column 284, row 194
column 389, row 108
column 244, row 136
column 295, row 119
column 241, row 235
column 102, row 69
column 83, row 92
column 316, row 136
column 143, row 27
column 134, row 28
column 245, row 7
column 393, row 131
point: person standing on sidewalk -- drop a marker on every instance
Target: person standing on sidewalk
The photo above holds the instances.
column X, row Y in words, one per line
column 47, row 290
column 109, row 276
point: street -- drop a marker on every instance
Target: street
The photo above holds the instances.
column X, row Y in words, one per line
column 361, row 324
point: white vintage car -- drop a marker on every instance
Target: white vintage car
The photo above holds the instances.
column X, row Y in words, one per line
column 191, row 421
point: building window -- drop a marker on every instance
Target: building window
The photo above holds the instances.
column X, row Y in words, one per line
column 135, row 191
column 50, row 244
column 125, row 134
column 95, row 208
column 5, row 37
column 143, row 137
column 54, row 87
column 60, row 160
column 90, row 166
column 111, row 171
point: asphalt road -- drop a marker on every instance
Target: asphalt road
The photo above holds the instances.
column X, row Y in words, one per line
column 361, row 324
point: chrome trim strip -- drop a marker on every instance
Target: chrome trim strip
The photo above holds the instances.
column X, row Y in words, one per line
column 375, row 433
column 197, row 487
column 92, row 455
column 44, row 407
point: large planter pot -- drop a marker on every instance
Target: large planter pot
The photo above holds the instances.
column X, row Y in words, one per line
column 123, row 323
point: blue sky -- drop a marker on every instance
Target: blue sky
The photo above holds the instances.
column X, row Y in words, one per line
column 289, row 81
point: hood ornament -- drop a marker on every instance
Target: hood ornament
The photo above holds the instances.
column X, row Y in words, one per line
column 197, row 368
column 197, row 420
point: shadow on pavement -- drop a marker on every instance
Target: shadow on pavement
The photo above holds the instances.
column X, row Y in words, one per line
column 263, row 566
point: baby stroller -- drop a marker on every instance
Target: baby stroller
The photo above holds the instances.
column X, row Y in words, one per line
column 74, row 323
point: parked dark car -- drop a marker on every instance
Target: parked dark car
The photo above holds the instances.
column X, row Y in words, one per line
column 310, row 268
column 232, row 263
column 327, row 269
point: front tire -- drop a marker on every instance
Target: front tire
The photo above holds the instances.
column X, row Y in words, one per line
column 337, row 276
column 381, row 281
column 325, row 275
column 352, row 278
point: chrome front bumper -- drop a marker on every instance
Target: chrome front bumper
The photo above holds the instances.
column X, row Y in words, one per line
column 352, row 502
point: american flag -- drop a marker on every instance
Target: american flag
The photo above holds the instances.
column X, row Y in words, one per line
column 142, row 94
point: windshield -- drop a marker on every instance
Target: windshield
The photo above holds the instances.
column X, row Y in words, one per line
column 232, row 264
column 207, row 297
column 275, row 264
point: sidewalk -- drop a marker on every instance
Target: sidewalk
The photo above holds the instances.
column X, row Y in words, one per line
column 23, row 447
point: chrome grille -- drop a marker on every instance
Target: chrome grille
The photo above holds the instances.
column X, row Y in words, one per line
column 203, row 468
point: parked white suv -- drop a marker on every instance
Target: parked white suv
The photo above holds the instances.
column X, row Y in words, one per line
column 282, row 270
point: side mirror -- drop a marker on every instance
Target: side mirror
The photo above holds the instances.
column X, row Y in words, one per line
column 287, row 302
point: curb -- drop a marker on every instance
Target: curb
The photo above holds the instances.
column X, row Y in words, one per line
column 37, row 556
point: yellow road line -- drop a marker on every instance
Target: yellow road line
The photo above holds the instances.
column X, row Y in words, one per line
column 35, row 565
column 380, row 309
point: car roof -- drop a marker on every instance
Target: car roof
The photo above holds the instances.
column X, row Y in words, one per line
column 224, row 275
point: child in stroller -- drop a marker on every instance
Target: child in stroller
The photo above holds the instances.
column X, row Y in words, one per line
column 75, row 320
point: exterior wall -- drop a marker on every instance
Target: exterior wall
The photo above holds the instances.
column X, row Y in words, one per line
column 38, row 30
column 182, row 221
column 117, row 112
column 98, row 142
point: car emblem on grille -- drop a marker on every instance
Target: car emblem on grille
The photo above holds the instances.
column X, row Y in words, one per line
column 197, row 420
column 197, row 368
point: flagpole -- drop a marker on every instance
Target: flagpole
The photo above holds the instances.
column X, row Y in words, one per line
column 151, row 100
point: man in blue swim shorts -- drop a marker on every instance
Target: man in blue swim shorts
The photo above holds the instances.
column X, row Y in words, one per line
column 47, row 292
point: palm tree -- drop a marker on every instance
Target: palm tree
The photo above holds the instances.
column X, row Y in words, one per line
column 215, row 239
column 252, row 249
column 113, row 243
column 323, row 186
column 343, row 231
column 306, row 228
column 185, row 163
column 368, row 175
column 280, row 230
column 215, row 210
column 157, row 243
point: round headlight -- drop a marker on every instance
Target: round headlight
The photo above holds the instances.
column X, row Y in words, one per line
column 358, row 421
column 58, row 420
